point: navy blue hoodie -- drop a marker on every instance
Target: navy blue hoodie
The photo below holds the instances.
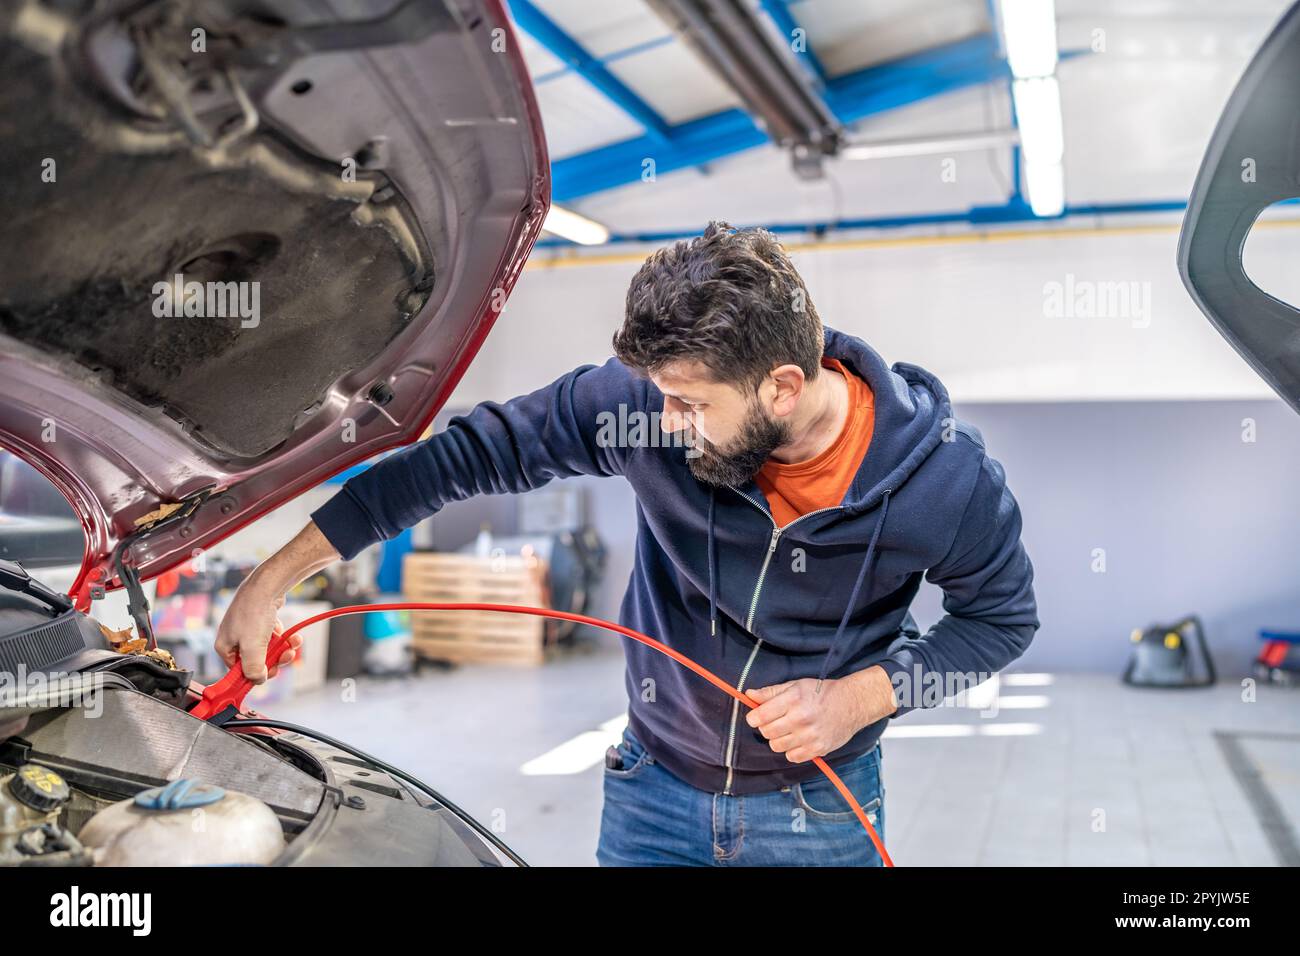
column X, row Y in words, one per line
column 823, row 596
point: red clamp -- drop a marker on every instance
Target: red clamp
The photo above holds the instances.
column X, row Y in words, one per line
column 222, row 700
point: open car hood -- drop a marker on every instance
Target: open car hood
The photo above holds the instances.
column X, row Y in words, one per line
column 1253, row 161
column 347, row 203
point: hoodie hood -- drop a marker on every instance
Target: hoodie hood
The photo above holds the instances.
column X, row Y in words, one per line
column 911, row 409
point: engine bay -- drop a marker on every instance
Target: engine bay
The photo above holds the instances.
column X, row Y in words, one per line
column 111, row 769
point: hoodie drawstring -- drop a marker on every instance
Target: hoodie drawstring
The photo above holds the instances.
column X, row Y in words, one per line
column 853, row 597
column 713, row 576
column 848, row 608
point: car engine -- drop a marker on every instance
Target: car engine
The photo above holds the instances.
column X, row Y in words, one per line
column 110, row 769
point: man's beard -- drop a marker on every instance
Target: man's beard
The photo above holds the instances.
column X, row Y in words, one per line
column 759, row 437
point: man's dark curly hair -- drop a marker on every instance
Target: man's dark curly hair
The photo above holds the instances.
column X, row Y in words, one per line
column 729, row 299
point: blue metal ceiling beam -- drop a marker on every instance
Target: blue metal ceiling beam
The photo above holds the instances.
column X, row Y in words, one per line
column 851, row 97
column 569, row 51
column 690, row 144
column 780, row 14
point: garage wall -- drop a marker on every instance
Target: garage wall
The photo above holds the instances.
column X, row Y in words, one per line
column 1188, row 517
column 1118, row 432
column 1067, row 316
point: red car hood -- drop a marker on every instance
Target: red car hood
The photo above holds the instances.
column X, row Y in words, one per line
column 347, row 205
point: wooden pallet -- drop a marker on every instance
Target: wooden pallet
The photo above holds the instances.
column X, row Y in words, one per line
column 467, row 636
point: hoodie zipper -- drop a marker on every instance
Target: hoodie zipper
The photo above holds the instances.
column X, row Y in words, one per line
column 777, row 531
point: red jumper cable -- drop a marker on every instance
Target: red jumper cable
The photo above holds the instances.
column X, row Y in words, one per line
column 226, row 696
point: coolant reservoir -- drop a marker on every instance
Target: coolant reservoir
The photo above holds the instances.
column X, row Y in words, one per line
column 185, row 823
column 28, row 798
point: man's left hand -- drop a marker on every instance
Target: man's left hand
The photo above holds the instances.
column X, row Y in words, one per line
column 802, row 723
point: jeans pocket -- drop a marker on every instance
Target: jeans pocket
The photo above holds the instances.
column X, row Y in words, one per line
column 819, row 799
column 633, row 757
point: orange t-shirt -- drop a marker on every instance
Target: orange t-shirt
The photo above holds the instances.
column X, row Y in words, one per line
column 821, row 482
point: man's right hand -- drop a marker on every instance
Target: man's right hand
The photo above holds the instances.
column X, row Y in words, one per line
column 251, row 619
column 246, row 631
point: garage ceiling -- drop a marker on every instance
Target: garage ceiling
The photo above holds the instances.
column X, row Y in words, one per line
column 1141, row 84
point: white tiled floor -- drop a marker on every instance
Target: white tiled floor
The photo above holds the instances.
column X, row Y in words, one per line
column 1099, row 774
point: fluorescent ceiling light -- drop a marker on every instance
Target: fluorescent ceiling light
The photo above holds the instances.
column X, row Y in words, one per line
column 1029, row 40
column 1045, row 183
column 1038, row 114
column 569, row 225
column 1029, row 36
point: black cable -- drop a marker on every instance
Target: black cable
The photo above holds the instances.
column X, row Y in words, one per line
column 389, row 769
column 137, row 603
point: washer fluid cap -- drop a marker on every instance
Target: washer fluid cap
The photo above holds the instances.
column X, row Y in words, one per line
column 179, row 795
column 38, row 788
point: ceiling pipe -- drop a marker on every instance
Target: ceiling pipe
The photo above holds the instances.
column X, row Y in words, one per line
column 732, row 42
column 928, row 146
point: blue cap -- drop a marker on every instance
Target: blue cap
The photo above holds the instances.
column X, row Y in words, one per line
column 179, row 795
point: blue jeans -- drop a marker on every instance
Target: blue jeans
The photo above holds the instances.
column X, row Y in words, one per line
column 652, row 818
